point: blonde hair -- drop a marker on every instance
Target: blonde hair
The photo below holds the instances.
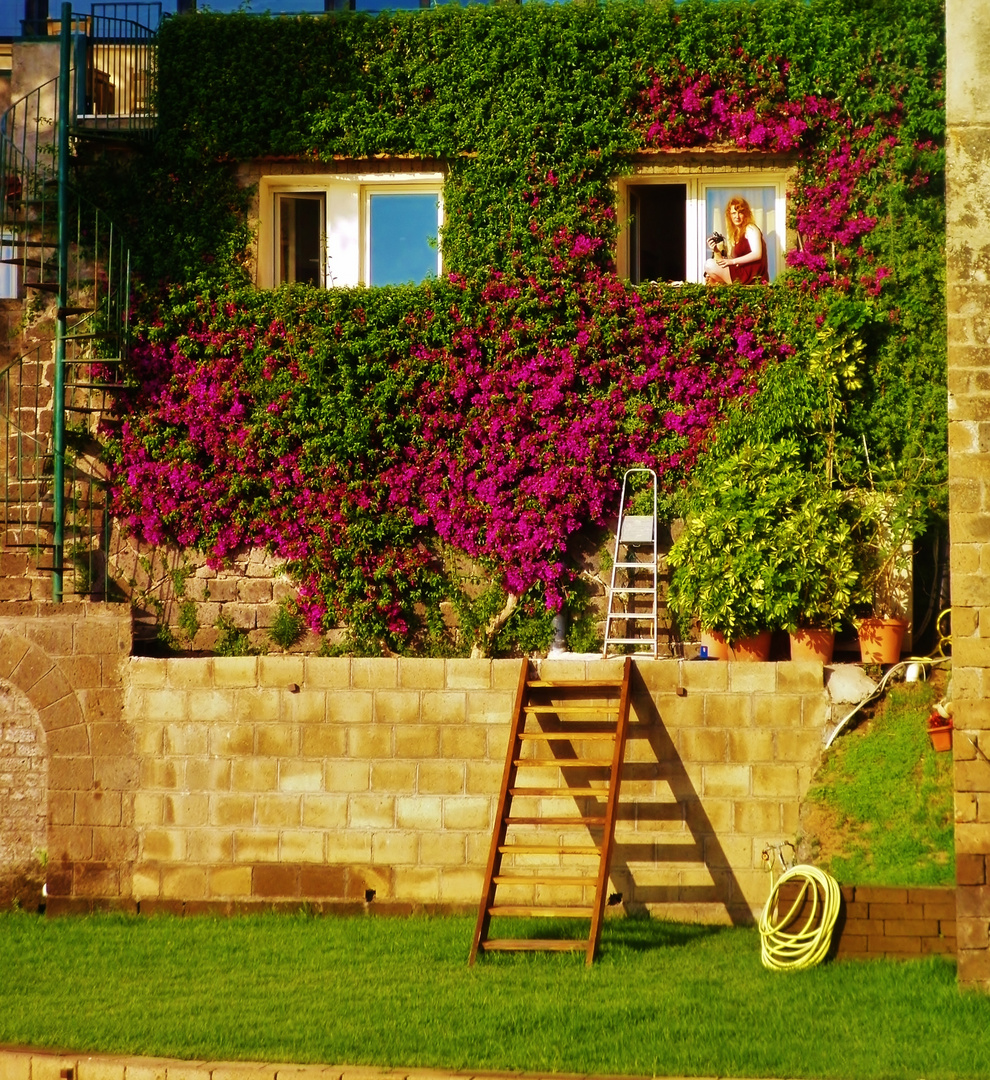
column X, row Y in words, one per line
column 735, row 234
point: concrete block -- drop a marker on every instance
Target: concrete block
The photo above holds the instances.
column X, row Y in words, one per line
column 799, row 677
column 324, row 811
column 444, row 707
column 352, row 848
column 463, row 885
column 421, row 673
column 51, row 1066
column 186, row 811
column 470, row 674
column 417, row 741
column 256, row 845
column 350, row 707
column 209, row 847
column 752, row 678
column 417, row 812
column 396, row 777
column 494, row 707
column 162, row 845
column 727, row 781
column 441, row 777
column 483, row 778
column 734, row 710
column 279, row 811
column 372, row 811
column 372, row 741
column 186, row 740
column 160, row 706
column 442, row 849
column 324, row 740
column 228, row 881
column 775, row 781
column 344, row 776
column 230, row 672
column 300, row 774
column 375, row 673
column 399, row 707
column 207, row 774
column 231, row 810
column 189, row 673
column 417, row 884
column 183, row 883
column 395, row 849
column 705, row 676
column 16, row 1065
column 757, row 817
column 254, row 774
column 276, row 740
column 259, row 706
column 327, row 673
column 279, row 672
column 302, row 846
column 702, row 744
column 658, row 676
column 304, row 707
column 98, row 808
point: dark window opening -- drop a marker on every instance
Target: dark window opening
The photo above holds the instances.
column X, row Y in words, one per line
column 657, row 230
column 300, row 239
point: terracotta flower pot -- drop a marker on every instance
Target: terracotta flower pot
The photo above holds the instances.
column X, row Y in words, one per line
column 718, row 647
column 752, row 648
column 814, row 645
column 880, row 640
column 941, row 737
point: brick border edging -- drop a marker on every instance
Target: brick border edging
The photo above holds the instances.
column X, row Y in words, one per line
column 897, row 922
column 26, row 1063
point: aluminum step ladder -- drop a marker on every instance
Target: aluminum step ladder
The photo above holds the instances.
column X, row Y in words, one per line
column 631, row 618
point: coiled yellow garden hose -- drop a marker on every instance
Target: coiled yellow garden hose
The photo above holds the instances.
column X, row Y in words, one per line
column 783, row 949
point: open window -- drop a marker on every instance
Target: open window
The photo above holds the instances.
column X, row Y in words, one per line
column 670, row 216
column 380, row 229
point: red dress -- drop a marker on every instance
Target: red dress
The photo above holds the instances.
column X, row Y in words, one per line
column 750, row 272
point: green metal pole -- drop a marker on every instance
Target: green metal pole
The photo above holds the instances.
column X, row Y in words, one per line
column 58, row 398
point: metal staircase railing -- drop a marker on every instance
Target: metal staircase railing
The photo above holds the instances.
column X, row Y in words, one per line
column 73, row 271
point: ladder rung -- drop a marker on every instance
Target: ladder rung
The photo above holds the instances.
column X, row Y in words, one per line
column 565, row 821
column 33, row 263
column 544, row 879
column 563, row 763
column 630, row 641
column 533, row 945
column 569, row 736
column 633, row 566
column 549, row 849
column 559, row 793
column 611, row 706
column 45, row 286
column 576, row 684
column 519, row 911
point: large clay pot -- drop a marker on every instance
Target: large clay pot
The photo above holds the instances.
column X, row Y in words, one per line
column 813, row 645
column 718, row 647
column 752, row 648
column 880, row 640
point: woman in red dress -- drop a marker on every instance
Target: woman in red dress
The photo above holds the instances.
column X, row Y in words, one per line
column 746, row 262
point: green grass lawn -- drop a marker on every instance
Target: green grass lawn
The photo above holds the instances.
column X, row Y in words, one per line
column 880, row 811
column 662, row 999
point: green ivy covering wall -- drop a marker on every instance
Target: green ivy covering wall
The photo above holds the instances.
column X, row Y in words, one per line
column 536, row 111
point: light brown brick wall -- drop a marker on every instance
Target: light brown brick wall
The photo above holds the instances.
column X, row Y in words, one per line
column 968, row 299
column 290, row 779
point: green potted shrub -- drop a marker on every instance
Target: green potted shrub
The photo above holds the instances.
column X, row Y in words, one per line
column 767, row 544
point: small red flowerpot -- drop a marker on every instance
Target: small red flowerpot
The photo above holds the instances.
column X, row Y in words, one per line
column 941, row 737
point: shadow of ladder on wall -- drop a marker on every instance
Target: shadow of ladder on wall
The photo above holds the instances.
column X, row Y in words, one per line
column 631, row 618
column 560, row 790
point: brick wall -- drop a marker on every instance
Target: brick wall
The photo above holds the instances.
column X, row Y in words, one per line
column 877, row 921
column 326, row 780
column 968, row 300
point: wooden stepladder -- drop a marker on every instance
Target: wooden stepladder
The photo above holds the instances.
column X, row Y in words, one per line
column 555, row 823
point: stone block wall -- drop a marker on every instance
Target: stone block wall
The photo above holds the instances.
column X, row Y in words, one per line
column 968, row 302
column 342, row 781
column 60, row 675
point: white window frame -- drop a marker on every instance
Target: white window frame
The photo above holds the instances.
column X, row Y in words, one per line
column 347, row 246
column 696, row 228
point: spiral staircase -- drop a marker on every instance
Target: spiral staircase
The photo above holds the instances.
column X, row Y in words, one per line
column 73, row 277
